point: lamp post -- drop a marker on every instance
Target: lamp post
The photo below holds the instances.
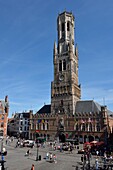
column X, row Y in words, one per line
column 2, row 156
column 1, row 145
column 37, row 152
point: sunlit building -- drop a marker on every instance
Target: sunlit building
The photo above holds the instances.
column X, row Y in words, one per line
column 4, row 111
column 68, row 116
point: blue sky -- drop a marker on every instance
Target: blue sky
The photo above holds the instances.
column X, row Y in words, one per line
column 28, row 29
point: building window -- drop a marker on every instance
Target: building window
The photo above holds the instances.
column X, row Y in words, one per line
column 83, row 127
column 86, row 127
column 77, row 127
column 63, row 27
column 47, row 126
column 25, row 128
column 43, row 126
column 2, row 117
column 63, row 30
column 2, row 125
column 60, row 65
column 38, row 126
column 97, row 119
column 68, row 26
column 98, row 127
column 64, row 64
column 90, row 127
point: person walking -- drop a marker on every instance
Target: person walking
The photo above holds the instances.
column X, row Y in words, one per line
column 55, row 158
column 96, row 164
column 27, row 153
column 32, row 168
column 82, row 159
column 97, row 152
column 71, row 149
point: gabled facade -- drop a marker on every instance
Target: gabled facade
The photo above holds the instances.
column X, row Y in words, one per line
column 18, row 125
column 4, row 111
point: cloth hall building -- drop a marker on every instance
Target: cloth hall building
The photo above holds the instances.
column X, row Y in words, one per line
column 68, row 116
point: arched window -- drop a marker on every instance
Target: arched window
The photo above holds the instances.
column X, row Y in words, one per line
column 47, row 126
column 68, row 26
column 2, row 117
column 77, row 127
column 2, row 124
column 86, row 127
column 63, row 30
column 43, row 126
column 90, row 127
column 60, row 65
column 63, row 27
column 83, row 127
column 64, row 64
column 98, row 127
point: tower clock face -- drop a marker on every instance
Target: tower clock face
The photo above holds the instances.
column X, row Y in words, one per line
column 61, row 77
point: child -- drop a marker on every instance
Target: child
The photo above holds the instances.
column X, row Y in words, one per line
column 54, row 157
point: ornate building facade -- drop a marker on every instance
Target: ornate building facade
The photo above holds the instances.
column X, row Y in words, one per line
column 68, row 116
column 4, row 111
column 18, row 125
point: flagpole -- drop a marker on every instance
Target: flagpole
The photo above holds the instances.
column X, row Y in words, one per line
column 37, row 144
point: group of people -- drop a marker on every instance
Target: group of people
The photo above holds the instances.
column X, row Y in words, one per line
column 51, row 157
column 85, row 159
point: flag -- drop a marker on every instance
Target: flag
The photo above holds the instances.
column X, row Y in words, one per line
column 39, row 120
column 43, row 121
column 75, row 121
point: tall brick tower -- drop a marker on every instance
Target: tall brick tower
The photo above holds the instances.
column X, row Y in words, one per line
column 65, row 88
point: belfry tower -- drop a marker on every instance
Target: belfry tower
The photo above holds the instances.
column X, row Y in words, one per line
column 65, row 88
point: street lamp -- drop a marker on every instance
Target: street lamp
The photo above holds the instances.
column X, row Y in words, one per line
column 37, row 152
column 1, row 145
column 2, row 156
